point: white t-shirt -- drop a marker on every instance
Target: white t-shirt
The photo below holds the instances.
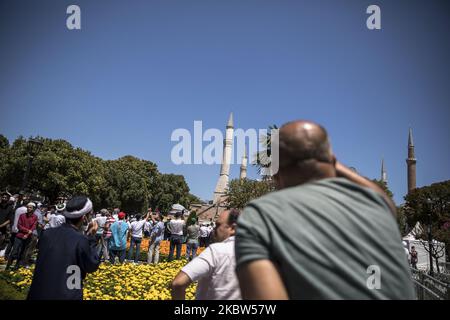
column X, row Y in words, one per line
column 101, row 221
column 17, row 214
column 54, row 221
column 204, row 232
column 136, row 228
column 214, row 269
column 176, row 226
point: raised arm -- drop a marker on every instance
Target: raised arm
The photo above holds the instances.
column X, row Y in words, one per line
column 345, row 172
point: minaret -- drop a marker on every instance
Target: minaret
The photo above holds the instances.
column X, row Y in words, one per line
column 243, row 173
column 383, row 172
column 411, row 163
column 222, row 183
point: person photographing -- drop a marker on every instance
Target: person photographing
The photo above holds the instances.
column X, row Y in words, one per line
column 66, row 255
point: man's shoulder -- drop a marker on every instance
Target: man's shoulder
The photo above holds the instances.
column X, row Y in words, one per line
column 313, row 191
column 222, row 247
column 20, row 210
column 64, row 230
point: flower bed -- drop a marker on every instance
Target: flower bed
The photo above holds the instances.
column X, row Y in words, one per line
column 118, row 282
column 164, row 248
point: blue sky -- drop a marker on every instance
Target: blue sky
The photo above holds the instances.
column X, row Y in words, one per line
column 140, row 69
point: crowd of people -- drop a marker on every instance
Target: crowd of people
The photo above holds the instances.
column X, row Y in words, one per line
column 23, row 222
column 317, row 237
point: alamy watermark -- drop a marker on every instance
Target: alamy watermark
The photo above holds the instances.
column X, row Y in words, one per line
column 211, row 147
column 374, row 280
column 74, row 279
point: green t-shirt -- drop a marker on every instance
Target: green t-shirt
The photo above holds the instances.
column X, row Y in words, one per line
column 331, row 239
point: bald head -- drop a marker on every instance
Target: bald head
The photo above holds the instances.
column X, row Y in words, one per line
column 304, row 153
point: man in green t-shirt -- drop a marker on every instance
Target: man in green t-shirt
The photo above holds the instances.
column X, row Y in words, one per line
column 327, row 233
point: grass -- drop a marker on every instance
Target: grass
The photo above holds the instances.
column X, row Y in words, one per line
column 9, row 292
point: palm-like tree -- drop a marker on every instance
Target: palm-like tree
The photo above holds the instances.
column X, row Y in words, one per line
column 262, row 159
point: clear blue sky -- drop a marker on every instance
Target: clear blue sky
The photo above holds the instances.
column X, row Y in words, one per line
column 140, row 69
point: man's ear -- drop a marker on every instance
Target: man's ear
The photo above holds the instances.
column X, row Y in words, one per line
column 278, row 181
column 333, row 160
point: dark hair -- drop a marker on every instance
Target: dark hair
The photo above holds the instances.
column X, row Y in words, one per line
column 138, row 217
column 76, row 203
column 233, row 216
column 74, row 221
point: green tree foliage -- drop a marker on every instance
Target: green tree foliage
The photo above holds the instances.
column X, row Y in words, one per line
column 417, row 208
column 242, row 191
column 4, row 142
column 383, row 185
column 401, row 219
column 262, row 160
column 129, row 183
column 169, row 189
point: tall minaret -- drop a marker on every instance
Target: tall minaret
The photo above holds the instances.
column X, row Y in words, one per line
column 222, row 183
column 383, row 172
column 411, row 163
column 243, row 173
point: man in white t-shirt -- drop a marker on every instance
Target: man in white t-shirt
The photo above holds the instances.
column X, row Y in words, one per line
column 214, row 268
column 56, row 219
column 203, row 235
column 136, row 230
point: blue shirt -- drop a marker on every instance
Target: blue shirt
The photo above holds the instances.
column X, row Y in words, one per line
column 119, row 231
column 158, row 231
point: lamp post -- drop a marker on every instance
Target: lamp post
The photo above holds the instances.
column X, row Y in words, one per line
column 33, row 148
column 430, row 238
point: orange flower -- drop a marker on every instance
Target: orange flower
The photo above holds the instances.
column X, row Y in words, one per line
column 164, row 247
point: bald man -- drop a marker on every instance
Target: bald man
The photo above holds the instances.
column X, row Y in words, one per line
column 326, row 233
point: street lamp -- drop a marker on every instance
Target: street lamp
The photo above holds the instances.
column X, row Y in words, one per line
column 430, row 238
column 33, row 148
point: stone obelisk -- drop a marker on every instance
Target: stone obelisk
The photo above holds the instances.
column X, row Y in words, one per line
column 243, row 172
column 222, row 183
column 411, row 163
column 383, row 172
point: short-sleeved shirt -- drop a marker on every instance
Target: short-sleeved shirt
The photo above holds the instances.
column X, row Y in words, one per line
column 214, row 269
column 204, row 232
column 330, row 239
column 55, row 220
column 19, row 211
column 119, row 230
column 176, row 226
column 101, row 221
column 137, row 228
column 157, row 232
column 192, row 233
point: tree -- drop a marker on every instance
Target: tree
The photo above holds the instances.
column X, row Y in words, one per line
column 417, row 208
column 129, row 183
column 4, row 142
column 262, row 159
column 131, row 179
column 170, row 189
column 242, row 191
column 383, row 185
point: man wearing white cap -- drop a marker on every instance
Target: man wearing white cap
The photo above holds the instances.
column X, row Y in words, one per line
column 25, row 225
column 66, row 255
column 56, row 219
